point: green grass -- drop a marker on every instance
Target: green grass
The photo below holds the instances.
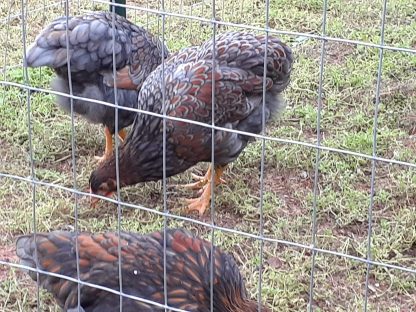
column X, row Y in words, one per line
column 344, row 181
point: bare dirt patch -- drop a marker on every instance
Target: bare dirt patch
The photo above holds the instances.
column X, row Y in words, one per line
column 290, row 186
column 337, row 53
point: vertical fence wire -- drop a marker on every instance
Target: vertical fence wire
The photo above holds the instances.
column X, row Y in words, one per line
column 6, row 47
column 43, row 24
column 147, row 15
column 318, row 155
column 116, row 152
column 263, row 156
column 212, row 225
column 213, row 172
column 23, row 3
column 164, row 176
column 374, row 153
column 73, row 147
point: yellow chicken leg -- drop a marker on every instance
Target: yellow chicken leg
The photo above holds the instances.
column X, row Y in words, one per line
column 203, row 180
column 122, row 134
column 108, row 146
column 201, row 203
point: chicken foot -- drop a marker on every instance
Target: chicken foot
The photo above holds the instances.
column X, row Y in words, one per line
column 203, row 180
column 201, row 203
column 109, row 143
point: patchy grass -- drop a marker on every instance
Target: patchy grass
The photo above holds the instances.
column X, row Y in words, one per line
column 347, row 119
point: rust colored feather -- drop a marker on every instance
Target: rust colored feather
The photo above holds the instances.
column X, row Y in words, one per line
column 188, row 272
column 186, row 86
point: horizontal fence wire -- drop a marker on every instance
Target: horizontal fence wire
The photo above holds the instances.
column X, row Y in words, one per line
column 240, row 233
column 250, row 134
column 262, row 29
column 81, row 282
column 163, row 12
column 40, row 8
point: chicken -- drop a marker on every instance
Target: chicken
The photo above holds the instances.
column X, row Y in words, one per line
column 90, row 36
column 142, row 269
column 188, row 94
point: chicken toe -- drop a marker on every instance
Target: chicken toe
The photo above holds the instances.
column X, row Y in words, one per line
column 204, row 185
column 201, row 203
column 204, row 180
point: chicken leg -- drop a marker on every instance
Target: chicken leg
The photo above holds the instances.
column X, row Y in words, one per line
column 108, row 146
column 201, row 203
column 203, row 180
column 122, row 134
column 109, row 143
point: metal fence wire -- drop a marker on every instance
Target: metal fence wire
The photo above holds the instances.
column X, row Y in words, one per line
column 213, row 16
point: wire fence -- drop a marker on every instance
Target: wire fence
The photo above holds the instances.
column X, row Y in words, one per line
column 160, row 17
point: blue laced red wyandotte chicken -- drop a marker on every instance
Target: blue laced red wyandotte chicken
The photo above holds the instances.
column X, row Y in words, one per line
column 142, row 259
column 187, row 84
column 90, row 37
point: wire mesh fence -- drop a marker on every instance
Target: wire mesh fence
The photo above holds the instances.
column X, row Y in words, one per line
column 319, row 212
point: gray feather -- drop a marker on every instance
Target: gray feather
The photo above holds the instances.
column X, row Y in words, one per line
column 24, row 250
column 90, row 53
